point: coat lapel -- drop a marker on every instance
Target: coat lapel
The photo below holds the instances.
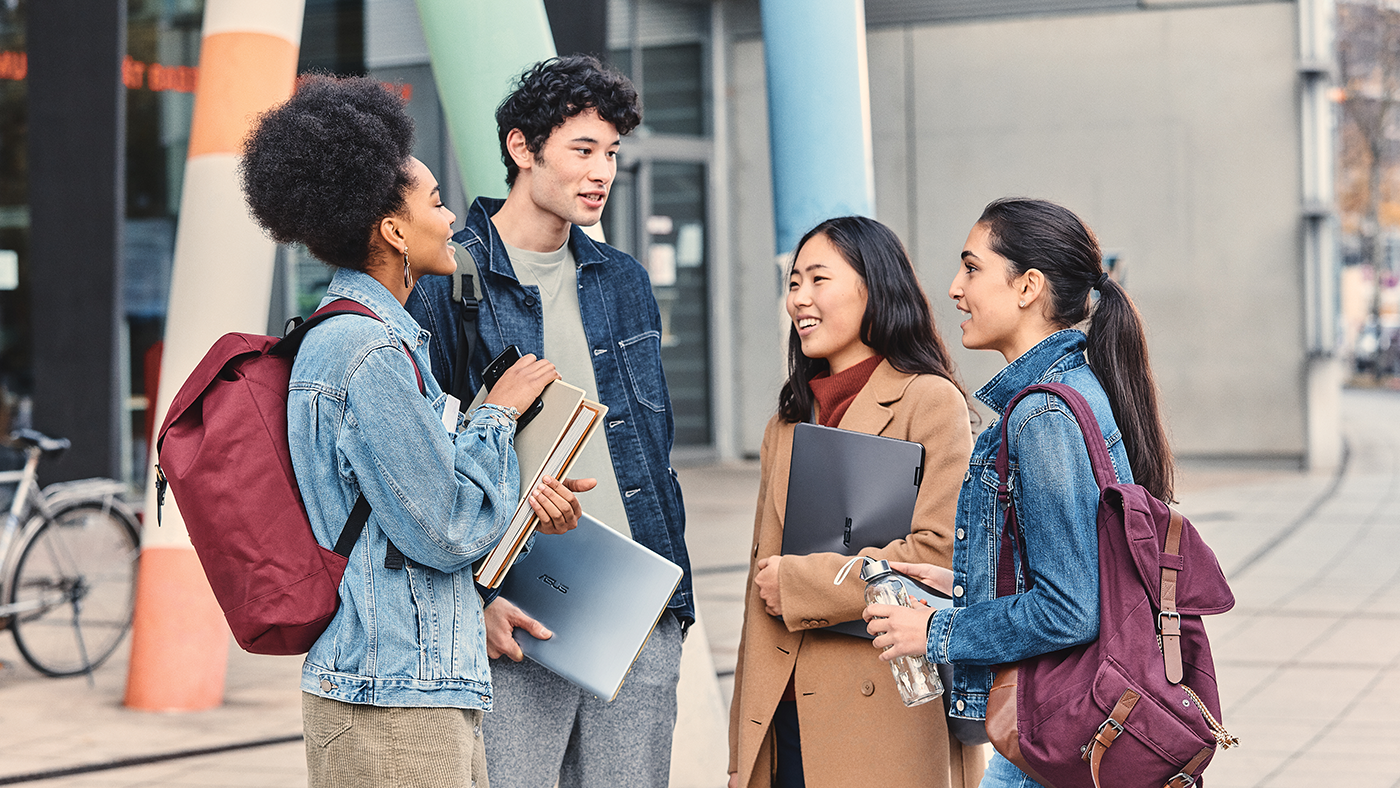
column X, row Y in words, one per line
column 870, row 412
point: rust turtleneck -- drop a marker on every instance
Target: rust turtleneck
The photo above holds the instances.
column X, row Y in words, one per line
column 835, row 393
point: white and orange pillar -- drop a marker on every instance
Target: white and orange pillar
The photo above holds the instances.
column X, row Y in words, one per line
column 221, row 282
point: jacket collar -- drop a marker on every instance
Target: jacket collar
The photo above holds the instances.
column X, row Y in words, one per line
column 480, row 229
column 1037, row 364
column 364, row 289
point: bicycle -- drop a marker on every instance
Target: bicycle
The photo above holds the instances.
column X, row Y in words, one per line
column 68, row 554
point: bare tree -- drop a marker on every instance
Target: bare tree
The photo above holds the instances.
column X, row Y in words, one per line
column 1368, row 44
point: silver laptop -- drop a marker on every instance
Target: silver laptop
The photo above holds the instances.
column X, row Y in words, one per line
column 601, row 595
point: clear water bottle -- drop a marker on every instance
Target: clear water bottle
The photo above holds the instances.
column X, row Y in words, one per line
column 916, row 678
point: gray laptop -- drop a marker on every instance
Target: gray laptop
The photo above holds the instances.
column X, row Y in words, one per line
column 848, row 491
column 601, row 595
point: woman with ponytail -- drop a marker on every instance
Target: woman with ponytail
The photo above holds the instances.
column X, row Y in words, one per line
column 1029, row 270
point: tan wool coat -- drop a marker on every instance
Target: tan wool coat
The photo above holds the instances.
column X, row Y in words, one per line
column 855, row 730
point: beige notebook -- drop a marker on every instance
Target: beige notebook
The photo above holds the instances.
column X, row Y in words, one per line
column 547, row 446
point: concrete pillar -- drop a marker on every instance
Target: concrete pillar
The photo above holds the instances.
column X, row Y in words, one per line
column 77, row 190
column 221, row 282
column 477, row 48
column 818, row 113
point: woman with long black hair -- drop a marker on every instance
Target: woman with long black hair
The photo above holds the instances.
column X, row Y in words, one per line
column 1027, row 273
column 813, row 707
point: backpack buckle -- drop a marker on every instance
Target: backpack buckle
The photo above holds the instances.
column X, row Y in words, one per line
column 1181, row 780
column 1162, row 624
column 1110, row 722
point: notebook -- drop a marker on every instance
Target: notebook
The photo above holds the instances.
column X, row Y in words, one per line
column 848, row 491
column 548, row 446
column 601, row 595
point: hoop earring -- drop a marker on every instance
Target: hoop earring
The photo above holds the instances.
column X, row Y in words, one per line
column 407, row 279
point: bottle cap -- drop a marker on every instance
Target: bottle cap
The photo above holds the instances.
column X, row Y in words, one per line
column 872, row 569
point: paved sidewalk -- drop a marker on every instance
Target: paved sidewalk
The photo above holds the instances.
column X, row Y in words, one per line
column 1309, row 659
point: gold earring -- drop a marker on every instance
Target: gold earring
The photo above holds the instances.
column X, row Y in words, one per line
column 407, row 280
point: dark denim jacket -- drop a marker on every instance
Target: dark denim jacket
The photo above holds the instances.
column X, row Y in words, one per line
column 1056, row 500
column 623, row 327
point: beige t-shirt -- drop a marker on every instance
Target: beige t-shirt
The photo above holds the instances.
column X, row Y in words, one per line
column 556, row 275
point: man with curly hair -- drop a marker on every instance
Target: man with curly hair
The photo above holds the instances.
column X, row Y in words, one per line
column 550, row 289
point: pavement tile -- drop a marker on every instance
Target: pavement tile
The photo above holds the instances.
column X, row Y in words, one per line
column 1280, row 637
column 1356, row 641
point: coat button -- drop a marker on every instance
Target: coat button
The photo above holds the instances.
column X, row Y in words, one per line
column 867, row 688
column 961, row 706
column 958, row 591
column 326, row 685
column 962, row 534
column 529, row 300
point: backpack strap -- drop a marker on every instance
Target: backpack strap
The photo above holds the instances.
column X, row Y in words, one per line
column 466, row 290
column 1011, row 543
column 290, row 344
column 1168, row 620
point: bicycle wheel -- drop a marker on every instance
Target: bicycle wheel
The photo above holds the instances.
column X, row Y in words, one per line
column 75, row 584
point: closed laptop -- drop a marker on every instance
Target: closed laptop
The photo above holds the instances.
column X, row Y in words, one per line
column 601, row 595
column 848, row 491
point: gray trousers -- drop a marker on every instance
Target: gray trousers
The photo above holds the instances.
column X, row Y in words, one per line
column 349, row 745
column 544, row 728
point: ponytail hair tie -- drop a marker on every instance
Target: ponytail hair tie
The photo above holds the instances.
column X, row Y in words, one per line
column 1100, row 282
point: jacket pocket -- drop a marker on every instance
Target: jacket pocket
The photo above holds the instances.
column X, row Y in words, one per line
column 642, row 357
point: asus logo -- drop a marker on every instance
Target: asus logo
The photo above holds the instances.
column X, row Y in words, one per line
column 846, row 535
column 553, row 584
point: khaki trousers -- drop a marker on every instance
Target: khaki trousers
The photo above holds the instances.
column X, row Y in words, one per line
column 349, row 745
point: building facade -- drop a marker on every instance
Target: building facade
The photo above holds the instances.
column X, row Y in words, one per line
column 1194, row 137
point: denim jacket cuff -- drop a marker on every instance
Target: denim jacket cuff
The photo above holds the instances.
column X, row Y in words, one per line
column 491, row 414
column 940, row 626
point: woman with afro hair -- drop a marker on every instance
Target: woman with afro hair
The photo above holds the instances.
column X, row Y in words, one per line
column 395, row 689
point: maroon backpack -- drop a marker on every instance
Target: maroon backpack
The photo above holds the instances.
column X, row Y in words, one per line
column 1138, row 707
column 223, row 450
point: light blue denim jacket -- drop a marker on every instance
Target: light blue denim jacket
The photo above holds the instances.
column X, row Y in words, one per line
column 1056, row 501
column 357, row 423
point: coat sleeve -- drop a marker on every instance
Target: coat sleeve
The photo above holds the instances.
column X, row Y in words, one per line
column 939, row 420
column 765, row 462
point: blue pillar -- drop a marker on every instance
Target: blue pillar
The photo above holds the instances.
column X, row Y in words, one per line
column 818, row 113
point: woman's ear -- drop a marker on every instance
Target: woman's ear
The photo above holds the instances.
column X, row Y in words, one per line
column 391, row 230
column 519, row 149
column 1031, row 285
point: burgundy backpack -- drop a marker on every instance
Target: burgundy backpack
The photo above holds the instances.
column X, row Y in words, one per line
column 1138, row 707
column 223, row 450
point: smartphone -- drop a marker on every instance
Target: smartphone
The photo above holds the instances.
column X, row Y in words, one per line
column 493, row 373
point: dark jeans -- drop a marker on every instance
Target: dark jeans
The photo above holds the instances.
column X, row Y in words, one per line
column 789, row 746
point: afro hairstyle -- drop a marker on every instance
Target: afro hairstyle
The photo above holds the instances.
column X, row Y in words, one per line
column 554, row 90
column 322, row 168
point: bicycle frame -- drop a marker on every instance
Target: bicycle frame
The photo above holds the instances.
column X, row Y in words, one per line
column 27, row 495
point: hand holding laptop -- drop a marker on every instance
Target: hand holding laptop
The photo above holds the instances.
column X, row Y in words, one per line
column 502, row 619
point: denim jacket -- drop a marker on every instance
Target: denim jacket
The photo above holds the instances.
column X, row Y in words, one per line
column 1056, row 501
column 357, row 423
column 623, row 328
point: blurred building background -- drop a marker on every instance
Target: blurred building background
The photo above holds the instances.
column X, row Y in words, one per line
column 1197, row 137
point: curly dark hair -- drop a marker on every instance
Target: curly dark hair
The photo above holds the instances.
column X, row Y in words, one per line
column 554, row 90
column 322, row 168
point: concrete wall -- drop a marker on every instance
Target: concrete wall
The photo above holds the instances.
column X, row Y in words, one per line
column 1174, row 133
